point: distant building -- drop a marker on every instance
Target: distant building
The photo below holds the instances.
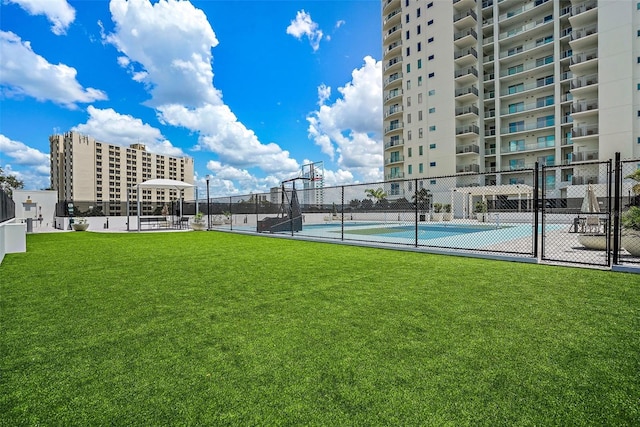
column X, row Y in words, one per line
column 85, row 170
column 494, row 86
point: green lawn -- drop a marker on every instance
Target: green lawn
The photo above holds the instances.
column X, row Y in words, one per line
column 221, row 329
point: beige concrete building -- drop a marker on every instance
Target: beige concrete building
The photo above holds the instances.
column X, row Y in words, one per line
column 86, row 170
column 496, row 85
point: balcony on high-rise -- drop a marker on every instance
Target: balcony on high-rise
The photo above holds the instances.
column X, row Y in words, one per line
column 470, row 90
column 582, row 57
column 512, row 32
column 584, row 106
column 468, row 149
column 519, row 10
column 392, row 62
column 585, row 130
column 469, row 109
column 583, row 7
column 473, row 129
column 468, row 168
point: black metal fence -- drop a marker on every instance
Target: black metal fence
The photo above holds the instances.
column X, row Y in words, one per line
column 7, row 207
column 579, row 214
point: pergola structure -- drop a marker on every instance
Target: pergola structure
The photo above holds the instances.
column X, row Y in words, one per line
column 169, row 184
column 490, row 191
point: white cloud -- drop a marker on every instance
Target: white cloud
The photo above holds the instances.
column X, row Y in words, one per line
column 23, row 72
column 303, row 25
column 23, row 154
column 168, row 48
column 109, row 126
column 227, row 180
column 222, row 133
column 352, row 125
column 58, row 12
column 34, row 166
column 340, row 23
column 324, row 92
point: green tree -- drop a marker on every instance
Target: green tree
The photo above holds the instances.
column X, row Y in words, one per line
column 8, row 183
column 422, row 199
column 636, row 177
column 378, row 194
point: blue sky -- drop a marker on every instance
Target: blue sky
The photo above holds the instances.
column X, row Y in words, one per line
column 251, row 89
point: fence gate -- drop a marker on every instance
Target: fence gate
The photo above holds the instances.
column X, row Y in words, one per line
column 576, row 221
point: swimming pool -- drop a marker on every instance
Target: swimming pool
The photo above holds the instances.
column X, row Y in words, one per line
column 506, row 237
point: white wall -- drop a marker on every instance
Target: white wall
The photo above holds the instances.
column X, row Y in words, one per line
column 42, row 202
column 13, row 238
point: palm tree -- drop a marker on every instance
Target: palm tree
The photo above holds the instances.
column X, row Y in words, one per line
column 636, row 177
column 378, row 194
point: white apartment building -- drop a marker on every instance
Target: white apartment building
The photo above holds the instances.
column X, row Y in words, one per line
column 83, row 169
column 496, row 85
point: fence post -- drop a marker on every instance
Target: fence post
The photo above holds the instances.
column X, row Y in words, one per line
column 415, row 196
column 342, row 217
column 616, row 208
column 536, row 206
column 230, row 214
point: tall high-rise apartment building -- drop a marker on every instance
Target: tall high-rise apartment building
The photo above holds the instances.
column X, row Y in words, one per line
column 83, row 169
column 496, row 85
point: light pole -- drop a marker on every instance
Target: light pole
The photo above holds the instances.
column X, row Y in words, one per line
column 208, row 205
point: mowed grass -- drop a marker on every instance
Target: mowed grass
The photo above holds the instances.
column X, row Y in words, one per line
column 221, row 329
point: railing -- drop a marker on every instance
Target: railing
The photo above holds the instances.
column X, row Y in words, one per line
column 399, row 175
column 516, row 148
column 566, row 32
column 393, row 94
column 523, row 88
column 465, row 72
column 487, row 40
column 461, row 15
column 393, row 61
column 581, row 180
column 584, row 32
column 7, row 207
column 395, row 143
column 396, row 126
column 525, row 107
column 393, row 110
column 526, row 126
column 394, row 45
column 582, row 106
column 393, row 30
column 525, row 47
column 515, row 31
column 583, row 7
column 392, row 14
column 464, row 52
column 392, row 79
column 466, row 110
column 466, row 90
column 583, row 81
column 464, row 33
column 396, row 159
column 521, row 10
column 467, row 168
column 584, row 56
column 583, row 156
column 587, row 130
column 471, row 148
column 467, row 129
column 527, row 66
column 393, row 127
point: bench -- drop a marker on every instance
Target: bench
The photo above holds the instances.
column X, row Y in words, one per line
column 181, row 223
column 153, row 221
